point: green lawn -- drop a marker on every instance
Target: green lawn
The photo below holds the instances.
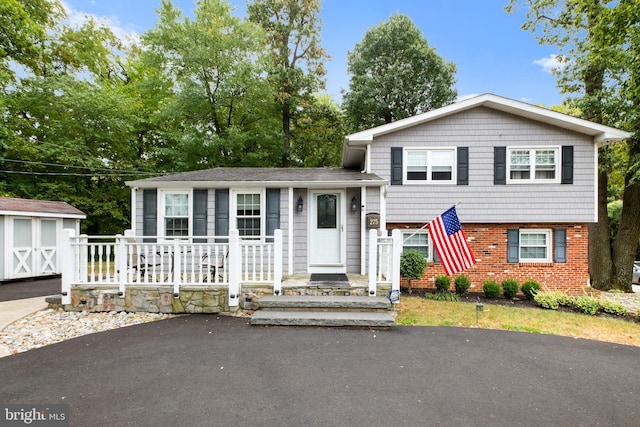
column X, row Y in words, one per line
column 422, row 312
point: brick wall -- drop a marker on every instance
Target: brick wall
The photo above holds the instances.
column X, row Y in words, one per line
column 489, row 245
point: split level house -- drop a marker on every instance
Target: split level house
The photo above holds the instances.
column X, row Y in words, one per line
column 524, row 179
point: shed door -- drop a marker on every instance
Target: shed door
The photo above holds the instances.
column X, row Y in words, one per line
column 34, row 249
column 326, row 237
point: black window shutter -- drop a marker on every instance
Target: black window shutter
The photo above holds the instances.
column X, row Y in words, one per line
column 567, row 164
column 463, row 165
column 513, row 245
column 222, row 213
column 560, row 245
column 396, row 165
column 200, row 214
column 273, row 211
column 499, row 165
column 150, row 214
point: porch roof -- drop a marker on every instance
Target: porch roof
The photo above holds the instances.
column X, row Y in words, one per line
column 268, row 177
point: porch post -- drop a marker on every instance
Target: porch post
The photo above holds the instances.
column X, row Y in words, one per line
column 177, row 268
column 121, row 262
column 68, row 267
column 235, row 267
column 395, row 261
column 83, row 255
column 373, row 261
column 277, row 261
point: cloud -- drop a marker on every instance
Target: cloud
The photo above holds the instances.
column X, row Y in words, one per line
column 550, row 63
column 76, row 19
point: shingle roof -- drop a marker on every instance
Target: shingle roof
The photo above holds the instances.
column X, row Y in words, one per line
column 62, row 209
column 266, row 176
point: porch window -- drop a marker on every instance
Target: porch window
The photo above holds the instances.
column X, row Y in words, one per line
column 248, row 211
column 419, row 241
column 176, row 214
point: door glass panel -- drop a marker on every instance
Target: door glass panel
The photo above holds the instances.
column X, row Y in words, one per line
column 48, row 233
column 327, row 212
column 22, row 233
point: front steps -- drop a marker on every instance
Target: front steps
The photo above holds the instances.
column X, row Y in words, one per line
column 324, row 310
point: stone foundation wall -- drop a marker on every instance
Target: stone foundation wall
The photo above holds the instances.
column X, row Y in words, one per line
column 210, row 299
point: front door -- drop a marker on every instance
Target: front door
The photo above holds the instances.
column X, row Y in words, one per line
column 326, row 232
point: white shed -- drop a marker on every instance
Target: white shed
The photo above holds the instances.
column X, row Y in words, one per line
column 30, row 231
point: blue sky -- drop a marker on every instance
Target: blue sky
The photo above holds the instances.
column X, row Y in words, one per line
column 491, row 52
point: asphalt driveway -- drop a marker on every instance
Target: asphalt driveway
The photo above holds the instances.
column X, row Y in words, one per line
column 219, row 371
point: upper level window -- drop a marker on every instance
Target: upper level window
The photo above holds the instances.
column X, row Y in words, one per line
column 533, row 165
column 248, row 211
column 430, row 165
column 176, row 214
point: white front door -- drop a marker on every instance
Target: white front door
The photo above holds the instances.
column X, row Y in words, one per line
column 326, row 232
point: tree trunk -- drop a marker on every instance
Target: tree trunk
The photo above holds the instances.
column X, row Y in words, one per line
column 625, row 246
column 286, row 133
column 600, row 265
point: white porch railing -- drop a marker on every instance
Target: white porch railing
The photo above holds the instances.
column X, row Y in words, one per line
column 384, row 260
column 135, row 260
column 128, row 260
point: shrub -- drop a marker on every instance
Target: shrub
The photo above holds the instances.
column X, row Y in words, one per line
column 613, row 307
column 510, row 288
column 564, row 299
column 446, row 296
column 443, row 283
column 530, row 288
column 491, row 289
column 462, row 284
column 412, row 265
column 548, row 300
column 586, row 305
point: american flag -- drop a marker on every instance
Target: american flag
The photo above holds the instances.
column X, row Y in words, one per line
column 450, row 242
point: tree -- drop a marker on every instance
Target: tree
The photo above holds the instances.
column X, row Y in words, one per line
column 395, row 74
column 216, row 107
column 296, row 69
column 413, row 264
column 599, row 43
column 319, row 132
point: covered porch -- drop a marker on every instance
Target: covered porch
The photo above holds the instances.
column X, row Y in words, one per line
column 212, row 274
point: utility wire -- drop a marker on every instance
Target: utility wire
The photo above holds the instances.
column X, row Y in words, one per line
column 128, row 172
column 115, row 175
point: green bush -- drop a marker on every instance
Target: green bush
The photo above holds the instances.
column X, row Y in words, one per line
column 443, row 283
column 462, row 284
column 548, row 300
column 564, row 299
column 530, row 288
column 491, row 289
column 613, row 307
column 510, row 288
column 586, row 305
column 446, row 296
column 413, row 264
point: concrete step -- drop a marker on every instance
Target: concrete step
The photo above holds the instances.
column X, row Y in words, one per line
column 324, row 303
column 323, row 318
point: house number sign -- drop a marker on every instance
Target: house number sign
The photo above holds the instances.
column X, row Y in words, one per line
column 373, row 221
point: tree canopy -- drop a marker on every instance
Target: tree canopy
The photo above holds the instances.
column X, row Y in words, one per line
column 395, row 74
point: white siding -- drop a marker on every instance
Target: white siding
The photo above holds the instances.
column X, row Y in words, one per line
column 481, row 129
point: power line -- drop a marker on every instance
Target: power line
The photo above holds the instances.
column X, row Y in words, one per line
column 115, row 175
column 132, row 172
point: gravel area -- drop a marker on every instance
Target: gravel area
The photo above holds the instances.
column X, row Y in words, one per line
column 51, row 326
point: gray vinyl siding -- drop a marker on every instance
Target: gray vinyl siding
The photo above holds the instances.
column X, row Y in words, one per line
column 481, row 129
column 352, row 227
column 300, row 228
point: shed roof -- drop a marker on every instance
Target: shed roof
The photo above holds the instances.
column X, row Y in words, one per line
column 268, row 177
column 30, row 207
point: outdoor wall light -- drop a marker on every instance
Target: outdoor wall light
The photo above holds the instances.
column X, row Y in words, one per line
column 300, row 204
column 354, row 204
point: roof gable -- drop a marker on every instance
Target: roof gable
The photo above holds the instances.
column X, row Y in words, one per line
column 601, row 134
